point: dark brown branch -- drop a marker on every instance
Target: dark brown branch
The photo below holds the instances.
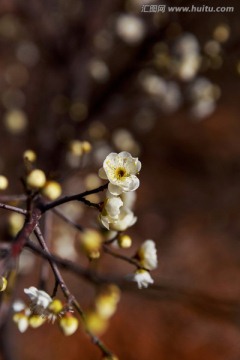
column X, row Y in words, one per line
column 25, row 232
column 123, row 257
column 76, row 197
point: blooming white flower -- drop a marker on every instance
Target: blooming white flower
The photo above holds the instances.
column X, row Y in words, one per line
column 147, row 255
column 38, row 297
column 111, row 210
column 143, row 278
column 120, row 169
column 125, row 219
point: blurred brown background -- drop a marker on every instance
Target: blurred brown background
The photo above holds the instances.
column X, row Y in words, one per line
column 88, row 69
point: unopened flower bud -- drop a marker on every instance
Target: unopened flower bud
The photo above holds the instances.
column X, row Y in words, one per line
column 36, row 320
column 3, row 182
column 55, row 306
column 52, row 190
column 36, row 179
column 22, row 321
column 68, row 324
column 124, row 241
column 3, row 283
column 96, row 323
column 91, row 241
column 76, row 147
column 15, row 224
column 30, row 155
column 86, row 147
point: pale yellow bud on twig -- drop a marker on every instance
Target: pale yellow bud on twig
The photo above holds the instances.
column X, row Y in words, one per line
column 69, row 324
column 3, row 182
column 52, row 190
column 86, row 147
column 3, row 283
column 124, row 241
column 30, row 155
column 15, row 223
column 36, row 179
column 95, row 323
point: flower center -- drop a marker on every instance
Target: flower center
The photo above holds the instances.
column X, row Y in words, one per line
column 120, row 173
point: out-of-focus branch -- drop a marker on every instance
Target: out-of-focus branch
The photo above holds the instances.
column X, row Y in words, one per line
column 67, row 293
column 13, row 208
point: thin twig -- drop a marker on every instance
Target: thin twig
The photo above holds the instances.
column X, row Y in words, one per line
column 67, row 293
column 76, row 197
column 13, row 208
column 123, row 257
column 67, row 220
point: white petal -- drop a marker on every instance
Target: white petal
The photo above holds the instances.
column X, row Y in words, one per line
column 23, row 324
column 114, row 189
column 131, row 183
column 102, row 174
column 113, row 206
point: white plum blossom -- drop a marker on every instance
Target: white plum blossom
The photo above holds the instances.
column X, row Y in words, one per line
column 147, row 255
column 121, row 170
column 128, row 199
column 125, row 219
column 111, row 210
column 38, row 297
column 143, row 278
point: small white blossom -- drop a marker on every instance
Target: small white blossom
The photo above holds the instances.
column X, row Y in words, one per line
column 143, row 278
column 38, row 297
column 121, row 170
column 126, row 219
column 147, row 255
column 111, row 210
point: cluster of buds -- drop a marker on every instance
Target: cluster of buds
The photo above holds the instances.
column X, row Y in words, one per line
column 97, row 319
column 121, row 171
column 76, row 150
column 42, row 308
column 36, row 179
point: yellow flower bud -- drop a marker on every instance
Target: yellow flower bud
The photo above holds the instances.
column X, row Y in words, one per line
column 110, row 357
column 36, row 320
column 3, row 283
column 86, row 147
column 36, row 179
column 15, row 224
column 3, row 182
column 105, row 307
column 106, row 302
column 76, row 147
column 95, row 323
column 30, row 155
column 94, row 255
column 56, row 306
column 22, row 321
column 68, row 324
column 91, row 241
column 124, row 241
column 15, row 121
column 52, row 190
